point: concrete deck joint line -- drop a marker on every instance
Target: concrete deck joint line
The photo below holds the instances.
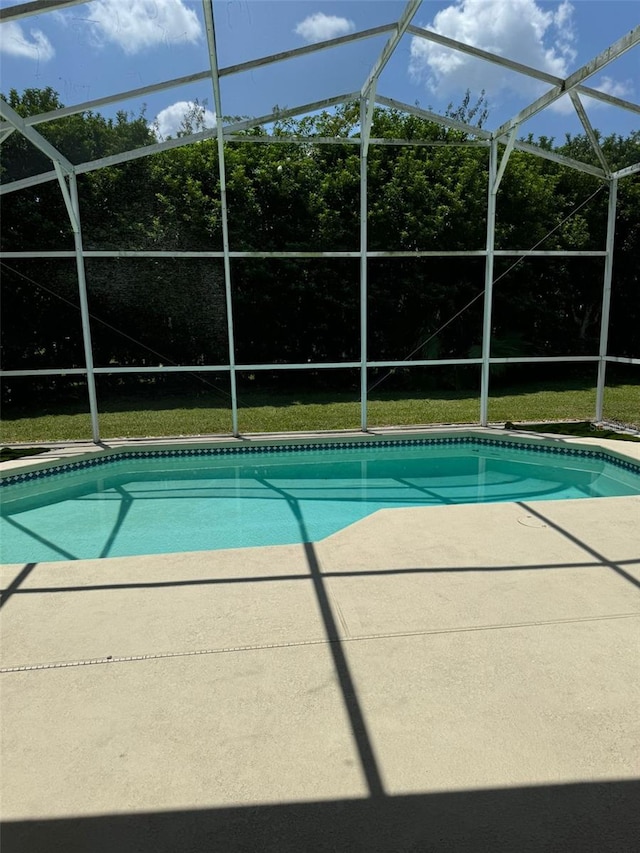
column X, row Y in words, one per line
column 389, row 635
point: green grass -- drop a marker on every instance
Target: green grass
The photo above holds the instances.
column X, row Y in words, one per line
column 279, row 412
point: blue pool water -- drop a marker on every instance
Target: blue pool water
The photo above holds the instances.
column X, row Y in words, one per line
column 169, row 501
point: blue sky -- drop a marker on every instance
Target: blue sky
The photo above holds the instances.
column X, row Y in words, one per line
column 106, row 46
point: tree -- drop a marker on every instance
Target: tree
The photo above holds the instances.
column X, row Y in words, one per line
column 297, row 195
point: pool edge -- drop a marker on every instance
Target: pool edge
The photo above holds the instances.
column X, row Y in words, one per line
column 68, row 453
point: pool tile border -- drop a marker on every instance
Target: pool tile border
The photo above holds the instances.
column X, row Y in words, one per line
column 325, row 446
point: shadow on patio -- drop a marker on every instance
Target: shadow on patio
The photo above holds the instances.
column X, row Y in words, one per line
column 585, row 818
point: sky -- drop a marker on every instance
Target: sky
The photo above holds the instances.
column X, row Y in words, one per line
column 106, row 46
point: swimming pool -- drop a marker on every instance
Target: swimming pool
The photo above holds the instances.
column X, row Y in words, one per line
column 163, row 501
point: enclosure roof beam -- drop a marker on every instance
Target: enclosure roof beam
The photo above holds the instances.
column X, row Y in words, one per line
column 519, row 145
column 45, row 177
column 461, row 47
column 85, row 106
column 198, row 76
column 296, row 52
column 35, row 7
column 137, row 153
column 387, row 52
column 591, row 134
column 628, row 41
column 606, row 98
column 25, row 9
column 25, row 183
column 246, row 124
column 175, row 82
column 111, row 160
column 116, row 159
column 214, row 76
column 446, row 121
column 168, row 144
column 518, row 67
column 34, row 137
column 629, row 170
column 368, row 90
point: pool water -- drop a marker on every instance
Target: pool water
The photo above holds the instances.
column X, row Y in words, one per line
column 231, row 499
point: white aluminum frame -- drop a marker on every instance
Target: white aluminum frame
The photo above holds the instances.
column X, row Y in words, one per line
column 606, row 297
column 368, row 97
column 215, row 81
column 492, row 186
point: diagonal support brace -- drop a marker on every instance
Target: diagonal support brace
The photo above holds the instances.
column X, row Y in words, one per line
column 369, row 102
column 588, row 127
column 66, row 195
column 627, row 42
column 34, row 137
column 511, row 141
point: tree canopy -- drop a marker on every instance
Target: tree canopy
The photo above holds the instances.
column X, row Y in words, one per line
column 301, row 196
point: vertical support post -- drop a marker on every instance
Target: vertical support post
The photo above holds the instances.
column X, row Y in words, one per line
column 364, row 141
column 227, row 288
column 84, row 306
column 215, row 79
column 606, row 297
column 488, row 282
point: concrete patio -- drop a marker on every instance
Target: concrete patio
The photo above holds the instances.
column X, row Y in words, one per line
column 449, row 678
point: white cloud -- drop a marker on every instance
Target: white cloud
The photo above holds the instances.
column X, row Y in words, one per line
column 563, row 106
column 606, row 84
column 319, row 27
column 517, row 29
column 171, row 119
column 138, row 24
column 14, row 42
column 617, row 88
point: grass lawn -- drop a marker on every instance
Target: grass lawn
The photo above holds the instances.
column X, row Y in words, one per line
column 280, row 412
